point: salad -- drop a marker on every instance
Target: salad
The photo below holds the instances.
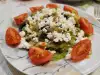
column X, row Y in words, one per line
column 51, row 33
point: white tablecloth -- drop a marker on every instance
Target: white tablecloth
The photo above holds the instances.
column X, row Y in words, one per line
column 7, row 69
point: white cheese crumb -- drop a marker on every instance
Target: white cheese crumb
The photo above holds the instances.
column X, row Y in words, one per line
column 68, row 56
column 28, row 29
column 24, row 44
column 29, row 18
column 71, row 21
column 80, row 36
column 47, row 11
column 66, row 39
column 46, row 40
column 22, row 33
column 44, row 30
column 69, row 50
column 53, row 52
column 56, row 40
column 35, row 39
column 49, row 35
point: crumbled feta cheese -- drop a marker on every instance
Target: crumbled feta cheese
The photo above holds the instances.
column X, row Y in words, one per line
column 81, row 33
column 28, row 29
column 38, row 16
column 53, row 52
column 80, row 36
column 67, row 13
column 35, row 39
column 69, row 50
column 22, row 33
column 24, row 44
column 59, row 11
column 49, row 35
column 47, row 11
column 29, row 18
column 56, row 40
column 41, row 24
column 44, row 30
column 69, row 36
column 32, row 35
column 73, row 14
column 34, row 18
column 46, row 40
column 66, row 39
column 84, row 38
column 47, row 22
column 62, row 19
column 68, row 56
column 71, row 21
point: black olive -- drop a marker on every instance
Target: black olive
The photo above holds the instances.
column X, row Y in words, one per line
column 45, row 21
column 33, row 18
column 21, row 26
column 28, row 40
column 62, row 13
column 48, row 16
column 42, row 36
column 66, row 16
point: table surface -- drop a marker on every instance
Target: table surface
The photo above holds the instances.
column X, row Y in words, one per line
column 5, row 67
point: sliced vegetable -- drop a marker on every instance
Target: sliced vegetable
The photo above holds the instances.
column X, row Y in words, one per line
column 12, row 37
column 81, row 50
column 39, row 56
column 35, row 9
column 70, row 9
column 20, row 18
column 86, row 26
column 52, row 5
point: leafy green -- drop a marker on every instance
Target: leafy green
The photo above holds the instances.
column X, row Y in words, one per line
column 59, row 56
column 23, row 29
column 33, row 14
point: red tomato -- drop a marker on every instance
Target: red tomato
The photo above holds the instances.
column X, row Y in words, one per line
column 39, row 56
column 52, row 5
column 86, row 26
column 12, row 37
column 81, row 50
column 20, row 18
column 35, row 9
column 70, row 9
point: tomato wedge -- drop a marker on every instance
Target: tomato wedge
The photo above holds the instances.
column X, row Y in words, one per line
column 86, row 26
column 39, row 56
column 20, row 18
column 52, row 5
column 12, row 37
column 70, row 9
column 81, row 50
column 35, row 9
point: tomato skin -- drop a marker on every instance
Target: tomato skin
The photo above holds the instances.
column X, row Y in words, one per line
column 35, row 9
column 81, row 50
column 86, row 26
column 12, row 37
column 39, row 56
column 51, row 5
column 20, row 18
column 70, row 9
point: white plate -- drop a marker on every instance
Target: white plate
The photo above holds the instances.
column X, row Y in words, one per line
column 19, row 58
